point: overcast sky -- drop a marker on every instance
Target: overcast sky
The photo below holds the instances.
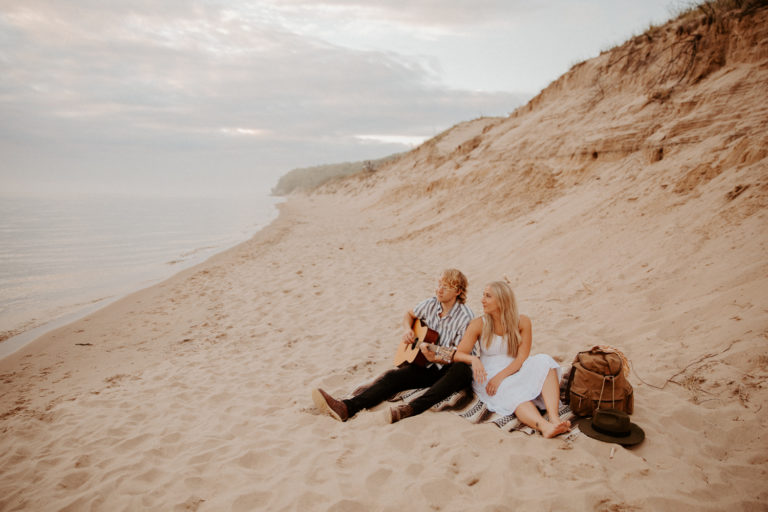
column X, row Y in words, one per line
column 219, row 95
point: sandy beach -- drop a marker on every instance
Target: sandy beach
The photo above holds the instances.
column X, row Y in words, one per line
column 627, row 205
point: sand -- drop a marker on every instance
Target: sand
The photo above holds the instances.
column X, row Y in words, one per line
column 625, row 211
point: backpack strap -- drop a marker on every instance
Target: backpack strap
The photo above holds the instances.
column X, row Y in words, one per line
column 570, row 381
column 600, row 398
column 602, row 387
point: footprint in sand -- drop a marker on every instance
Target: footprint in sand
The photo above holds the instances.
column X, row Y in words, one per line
column 190, row 505
column 132, row 443
column 150, row 476
column 255, row 459
column 74, row 480
column 250, row 502
column 376, row 480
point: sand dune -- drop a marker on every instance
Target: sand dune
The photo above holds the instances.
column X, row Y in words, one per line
column 627, row 204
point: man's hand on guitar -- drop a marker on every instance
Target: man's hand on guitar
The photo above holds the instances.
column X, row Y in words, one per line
column 437, row 354
column 408, row 350
column 429, row 354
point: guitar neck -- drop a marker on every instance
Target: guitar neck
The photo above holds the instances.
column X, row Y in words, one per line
column 444, row 353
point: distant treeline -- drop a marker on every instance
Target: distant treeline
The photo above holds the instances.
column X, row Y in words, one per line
column 307, row 178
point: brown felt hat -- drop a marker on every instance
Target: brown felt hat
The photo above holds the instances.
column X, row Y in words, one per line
column 612, row 426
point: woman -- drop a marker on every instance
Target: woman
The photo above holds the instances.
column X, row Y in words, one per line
column 517, row 383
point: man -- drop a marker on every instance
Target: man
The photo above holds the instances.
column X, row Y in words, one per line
column 448, row 315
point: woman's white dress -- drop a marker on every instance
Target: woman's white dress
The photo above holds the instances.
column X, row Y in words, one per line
column 523, row 386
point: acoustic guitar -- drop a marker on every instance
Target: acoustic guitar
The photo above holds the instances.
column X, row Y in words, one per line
column 410, row 352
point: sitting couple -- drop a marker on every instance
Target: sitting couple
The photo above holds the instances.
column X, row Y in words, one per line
column 502, row 375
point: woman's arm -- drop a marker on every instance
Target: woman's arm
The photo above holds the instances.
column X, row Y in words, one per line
column 471, row 335
column 464, row 351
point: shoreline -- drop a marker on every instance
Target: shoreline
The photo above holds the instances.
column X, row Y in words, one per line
column 18, row 341
column 28, row 331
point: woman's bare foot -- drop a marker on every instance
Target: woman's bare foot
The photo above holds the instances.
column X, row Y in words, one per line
column 550, row 430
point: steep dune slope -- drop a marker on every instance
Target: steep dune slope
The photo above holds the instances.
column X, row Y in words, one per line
column 685, row 101
column 627, row 203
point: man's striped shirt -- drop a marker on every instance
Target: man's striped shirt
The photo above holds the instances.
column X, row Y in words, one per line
column 451, row 327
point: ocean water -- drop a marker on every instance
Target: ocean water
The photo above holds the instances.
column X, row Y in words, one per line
column 61, row 258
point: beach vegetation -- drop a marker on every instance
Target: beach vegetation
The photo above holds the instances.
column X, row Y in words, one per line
column 309, row 178
column 714, row 11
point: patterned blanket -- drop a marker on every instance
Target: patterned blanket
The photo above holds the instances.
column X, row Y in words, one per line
column 467, row 405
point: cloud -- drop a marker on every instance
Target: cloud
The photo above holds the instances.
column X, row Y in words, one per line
column 138, row 83
column 453, row 14
column 392, row 139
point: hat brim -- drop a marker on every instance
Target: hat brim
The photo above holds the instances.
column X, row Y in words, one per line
column 636, row 434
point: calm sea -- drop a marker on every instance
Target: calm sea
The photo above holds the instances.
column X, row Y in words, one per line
column 62, row 258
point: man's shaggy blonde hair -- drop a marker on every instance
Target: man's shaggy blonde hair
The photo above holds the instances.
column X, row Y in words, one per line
column 456, row 279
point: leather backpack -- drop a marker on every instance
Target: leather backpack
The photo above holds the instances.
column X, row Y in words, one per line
column 598, row 380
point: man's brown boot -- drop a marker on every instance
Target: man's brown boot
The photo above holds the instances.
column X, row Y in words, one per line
column 398, row 413
column 327, row 403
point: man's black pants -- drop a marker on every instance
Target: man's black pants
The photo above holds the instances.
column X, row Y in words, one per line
column 442, row 383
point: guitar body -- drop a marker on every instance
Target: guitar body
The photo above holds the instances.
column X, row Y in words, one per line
column 411, row 353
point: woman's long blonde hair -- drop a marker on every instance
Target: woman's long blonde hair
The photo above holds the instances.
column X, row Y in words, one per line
column 510, row 318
